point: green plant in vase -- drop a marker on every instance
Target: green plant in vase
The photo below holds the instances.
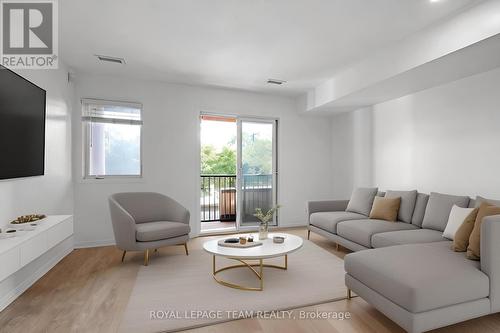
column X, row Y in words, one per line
column 264, row 220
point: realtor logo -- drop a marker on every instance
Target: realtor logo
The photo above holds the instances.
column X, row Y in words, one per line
column 29, row 34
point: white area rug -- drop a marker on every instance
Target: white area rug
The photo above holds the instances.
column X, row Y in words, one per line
column 174, row 287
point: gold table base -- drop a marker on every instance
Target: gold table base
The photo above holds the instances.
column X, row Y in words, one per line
column 259, row 274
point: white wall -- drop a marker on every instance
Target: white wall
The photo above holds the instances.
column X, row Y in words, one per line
column 445, row 139
column 342, row 155
column 171, row 149
column 53, row 192
column 352, row 161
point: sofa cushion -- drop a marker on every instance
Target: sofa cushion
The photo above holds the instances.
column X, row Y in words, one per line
column 474, row 248
column 385, row 208
column 479, row 200
column 439, row 208
column 419, row 277
column 362, row 200
column 408, row 199
column 458, row 215
column 406, row 237
column 419, row 211
column 361, row 231
column 153, row 231
column 328, row 220
column 462, row 236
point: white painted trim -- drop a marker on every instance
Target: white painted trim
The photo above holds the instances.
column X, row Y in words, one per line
column 24, row 285
column 98, row 243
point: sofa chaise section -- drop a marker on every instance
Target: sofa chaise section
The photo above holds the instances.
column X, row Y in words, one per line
column 409, row 271
column 426, row 286
column 417, row 277
column 423, row 321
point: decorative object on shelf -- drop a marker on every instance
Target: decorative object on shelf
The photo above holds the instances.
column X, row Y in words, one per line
column 243, row 240
column 28, row 218
column 278, row 239
column 250, row 239
column 264, row 220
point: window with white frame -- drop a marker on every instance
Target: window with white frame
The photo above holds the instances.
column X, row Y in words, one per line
column 112, row 133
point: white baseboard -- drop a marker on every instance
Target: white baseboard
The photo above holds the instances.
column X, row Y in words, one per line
column 98, row 243
column 29, row 281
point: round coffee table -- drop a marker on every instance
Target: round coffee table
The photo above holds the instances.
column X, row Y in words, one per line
column 267, row 250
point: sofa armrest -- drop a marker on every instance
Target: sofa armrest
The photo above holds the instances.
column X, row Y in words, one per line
column 326, row 206
column 490, row 257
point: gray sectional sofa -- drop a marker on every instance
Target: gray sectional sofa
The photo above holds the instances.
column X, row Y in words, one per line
column 407, row 269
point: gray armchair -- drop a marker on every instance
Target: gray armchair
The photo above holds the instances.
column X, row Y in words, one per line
column 145, row 220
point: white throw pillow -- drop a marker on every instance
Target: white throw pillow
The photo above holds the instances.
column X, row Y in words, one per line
column 457, row 217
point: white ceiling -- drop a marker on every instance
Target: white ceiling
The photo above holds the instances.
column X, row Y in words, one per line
column 238, row 43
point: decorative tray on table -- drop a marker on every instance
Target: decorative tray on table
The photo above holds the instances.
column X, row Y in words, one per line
column 234, row 242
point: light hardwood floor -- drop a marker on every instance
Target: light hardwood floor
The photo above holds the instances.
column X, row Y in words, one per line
column 89, row 290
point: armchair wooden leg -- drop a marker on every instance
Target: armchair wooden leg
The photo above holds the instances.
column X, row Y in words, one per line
column 336, row 247
column 123, row 255
column 186, row 248
column 308, row 234
column 349, row 294
column 146, row 257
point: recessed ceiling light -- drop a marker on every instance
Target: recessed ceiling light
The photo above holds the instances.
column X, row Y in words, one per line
column 115, row 60
column 434, row 0
column 275, row 81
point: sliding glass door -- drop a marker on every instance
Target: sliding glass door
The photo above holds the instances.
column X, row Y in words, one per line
column 238, row 171
column 257, row 169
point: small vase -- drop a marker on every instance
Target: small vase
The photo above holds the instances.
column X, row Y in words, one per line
column 263, row 229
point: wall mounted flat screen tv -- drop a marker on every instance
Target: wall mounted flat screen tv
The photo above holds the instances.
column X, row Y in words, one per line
column 22, row 126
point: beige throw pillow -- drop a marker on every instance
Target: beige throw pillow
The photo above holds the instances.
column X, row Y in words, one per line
column 385, row 208
column 461, row 239
column 474, row 248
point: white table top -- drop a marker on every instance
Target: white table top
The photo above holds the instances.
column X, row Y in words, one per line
column 267, row 250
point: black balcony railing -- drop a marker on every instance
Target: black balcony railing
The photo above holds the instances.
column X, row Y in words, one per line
column 218, row 196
